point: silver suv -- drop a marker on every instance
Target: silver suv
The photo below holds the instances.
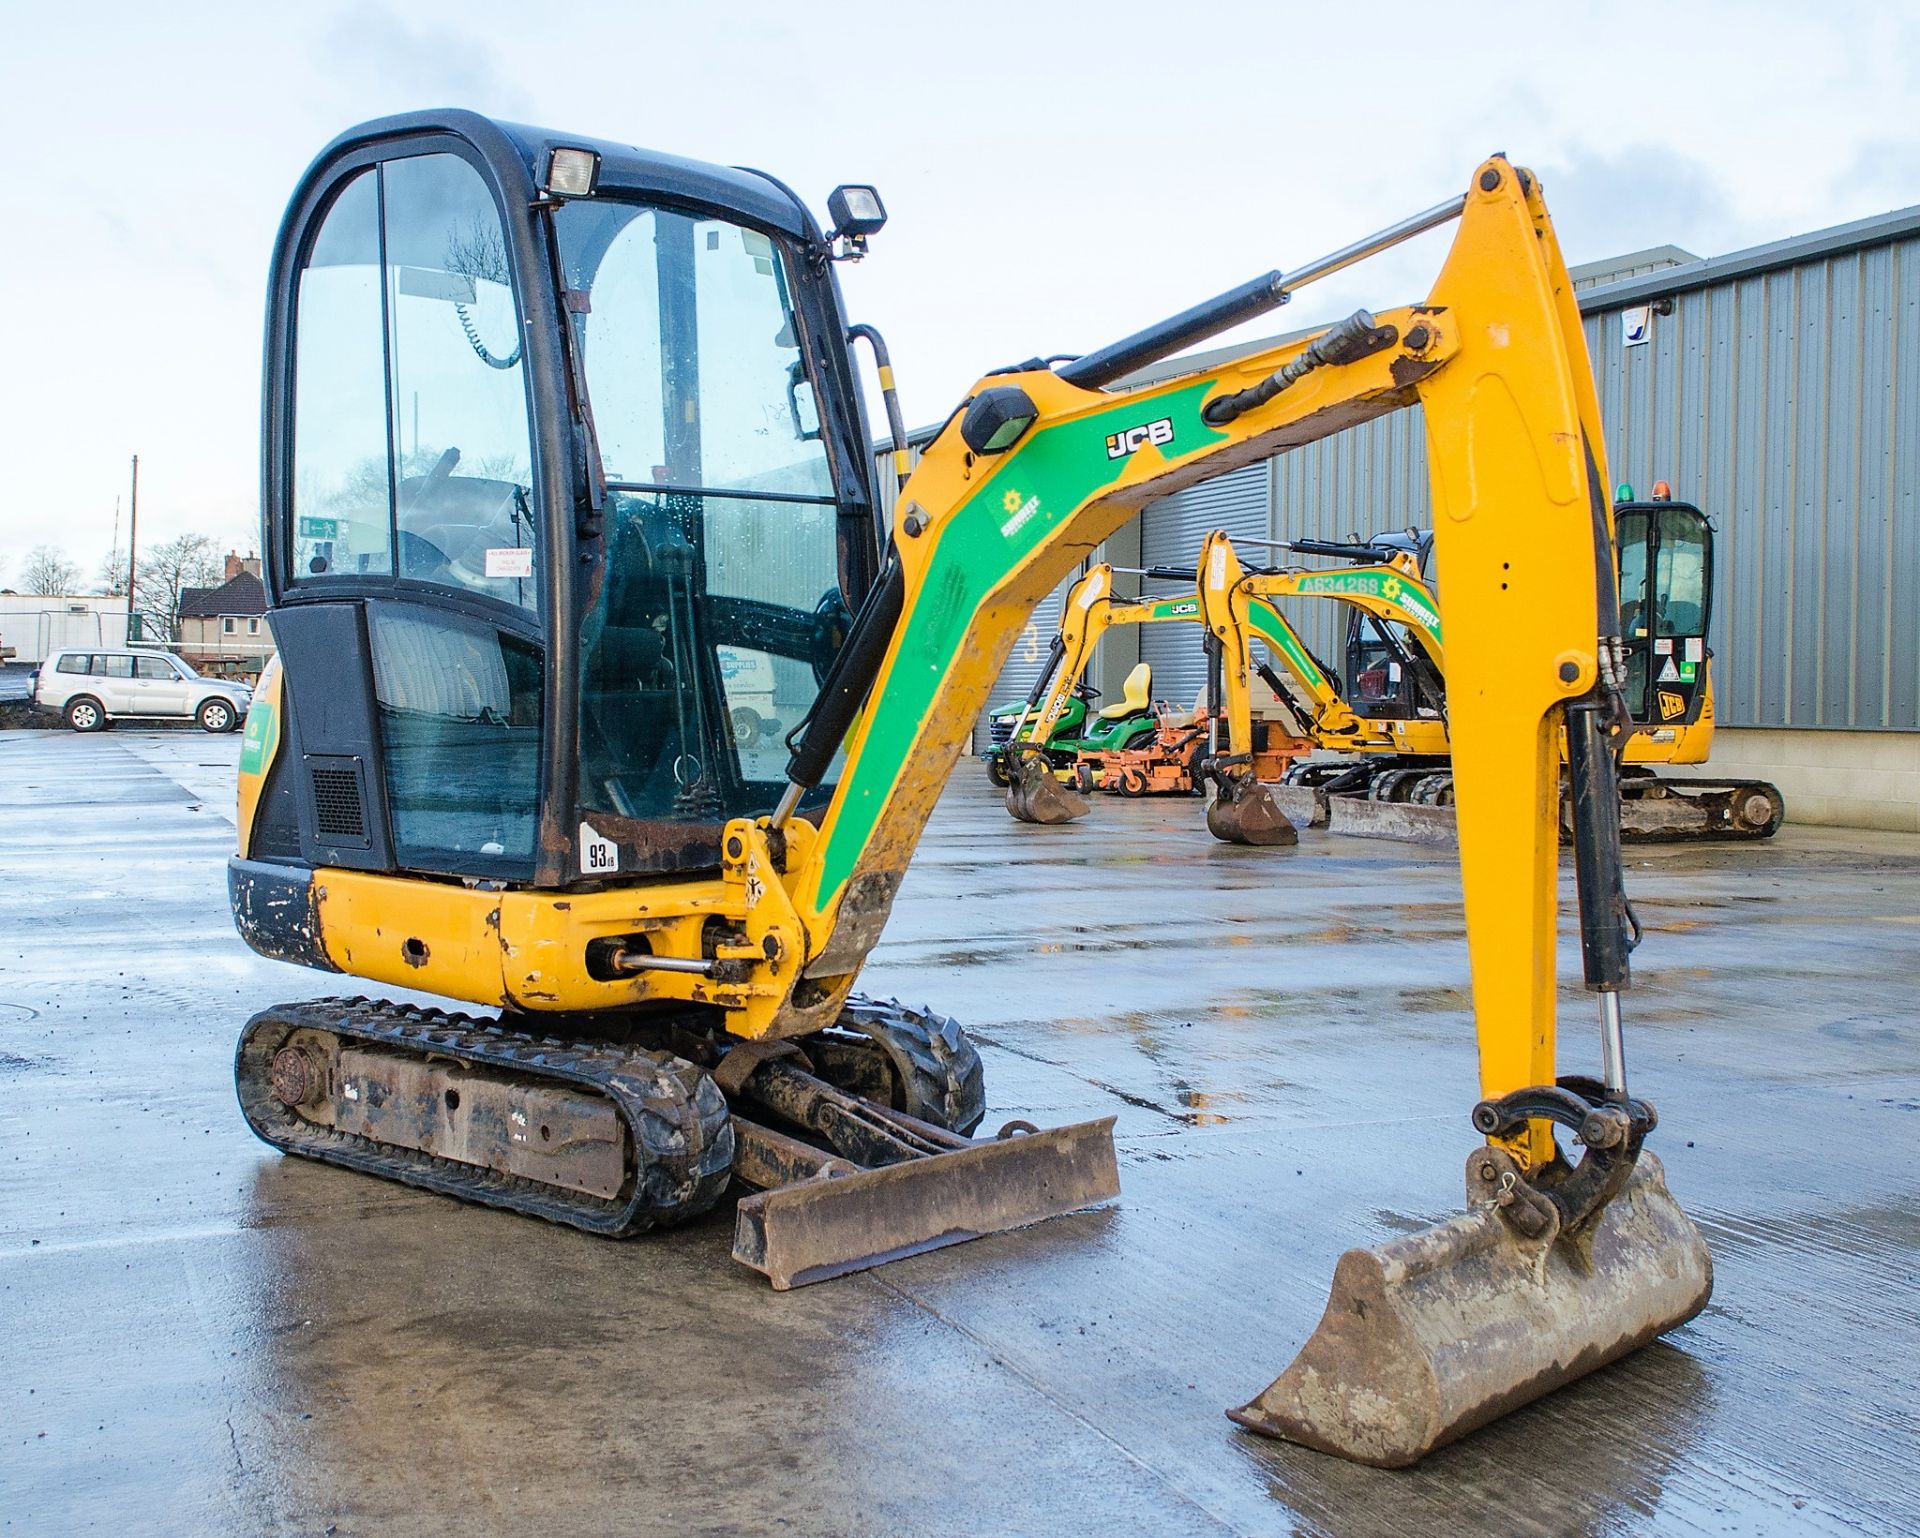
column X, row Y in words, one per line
column 96, row 685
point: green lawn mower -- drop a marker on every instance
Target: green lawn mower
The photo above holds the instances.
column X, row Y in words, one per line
column 1078, row 728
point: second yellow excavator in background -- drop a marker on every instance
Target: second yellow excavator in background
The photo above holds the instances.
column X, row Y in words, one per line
column 497, row 759
column 1396, row 669
column 1172, row 758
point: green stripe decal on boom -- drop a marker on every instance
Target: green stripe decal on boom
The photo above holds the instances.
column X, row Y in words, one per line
column 1271, row 628
column 1049, row 477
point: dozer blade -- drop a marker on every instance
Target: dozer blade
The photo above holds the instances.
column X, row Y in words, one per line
column 1405, row 820
column 1245, row 813
column 1035, row 794
column 833, row 1224
column 1429, row 1336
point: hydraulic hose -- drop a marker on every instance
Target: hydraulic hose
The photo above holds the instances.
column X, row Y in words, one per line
column 847, row 683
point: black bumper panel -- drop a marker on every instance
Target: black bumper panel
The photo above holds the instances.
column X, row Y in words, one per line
column 276, row 913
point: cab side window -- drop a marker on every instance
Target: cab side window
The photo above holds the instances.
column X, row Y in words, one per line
column 341, row 494
column 155, row 667
column 462, row 461
column 412, row 452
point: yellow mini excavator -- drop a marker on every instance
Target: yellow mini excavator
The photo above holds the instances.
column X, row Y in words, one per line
column 1388, row 594
column 1177, row 750
column 565, row 461
column 1402, row 787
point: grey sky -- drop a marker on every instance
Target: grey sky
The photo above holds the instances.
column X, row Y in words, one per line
column 1056, row 175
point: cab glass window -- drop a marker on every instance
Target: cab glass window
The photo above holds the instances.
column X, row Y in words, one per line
column 412, row 451
column 1680, row 577
column 719, row 606
column 1630, row 535
column 459, row 708
column 341, row 497
column 462, row 460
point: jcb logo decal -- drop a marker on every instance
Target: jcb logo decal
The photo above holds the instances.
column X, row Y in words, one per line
column 1672, row 705
column 1160, row 434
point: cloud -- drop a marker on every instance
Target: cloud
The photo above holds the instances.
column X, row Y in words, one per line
column 1608, row 203
column 1886, row 173
column 421, row 65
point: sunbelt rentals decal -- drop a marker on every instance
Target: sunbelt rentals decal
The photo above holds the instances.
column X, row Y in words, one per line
column 1371, row 585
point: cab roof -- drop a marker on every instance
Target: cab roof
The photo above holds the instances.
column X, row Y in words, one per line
column 625, row 169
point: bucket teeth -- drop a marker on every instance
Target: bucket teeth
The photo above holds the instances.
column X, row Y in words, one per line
column 1429, row 1336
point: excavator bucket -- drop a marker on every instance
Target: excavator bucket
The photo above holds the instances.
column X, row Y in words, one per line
column 1244, row 812
column 1035, row 793
column 1433, row 1334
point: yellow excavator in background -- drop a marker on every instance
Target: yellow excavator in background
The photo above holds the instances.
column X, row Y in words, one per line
column 496, row 758
column 1184, row 741
column 1396, row 664
column 1303, row 687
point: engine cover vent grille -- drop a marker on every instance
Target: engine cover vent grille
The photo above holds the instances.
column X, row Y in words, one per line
column 338, row 812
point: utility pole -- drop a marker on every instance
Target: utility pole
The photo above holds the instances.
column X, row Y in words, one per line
column 133, row 542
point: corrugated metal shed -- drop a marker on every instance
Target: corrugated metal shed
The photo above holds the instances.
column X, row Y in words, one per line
column 1781, row 393
column 1173, row 527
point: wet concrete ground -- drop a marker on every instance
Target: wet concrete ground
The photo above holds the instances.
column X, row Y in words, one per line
column 198, row 1336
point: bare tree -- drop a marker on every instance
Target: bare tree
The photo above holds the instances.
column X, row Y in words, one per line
column 112, row 575
column 47, row 571
column 168, row 570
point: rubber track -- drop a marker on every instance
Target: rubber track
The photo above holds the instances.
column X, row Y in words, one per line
column 675, row 1115
column 949, row 1083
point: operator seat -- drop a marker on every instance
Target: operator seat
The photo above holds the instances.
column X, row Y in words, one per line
column 1136, row 696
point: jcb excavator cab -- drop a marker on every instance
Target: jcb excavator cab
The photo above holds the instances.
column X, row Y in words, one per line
column 1389, row 675
column 1666, row 602
column 553, row 502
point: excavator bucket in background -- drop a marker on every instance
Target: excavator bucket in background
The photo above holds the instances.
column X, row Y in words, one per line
column 1243, row 811
column 1429, row 1336
column 1035, row 793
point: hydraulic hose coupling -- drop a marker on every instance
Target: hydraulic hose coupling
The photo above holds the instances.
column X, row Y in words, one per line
column 1358, row 336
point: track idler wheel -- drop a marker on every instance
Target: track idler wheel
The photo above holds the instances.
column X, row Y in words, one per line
column 1757, row 810
column 1243, row 811
column 933, row 1070
column 1034, row 792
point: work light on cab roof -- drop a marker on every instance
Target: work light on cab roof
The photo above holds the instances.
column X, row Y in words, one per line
column 857, row 212
column 571, row 173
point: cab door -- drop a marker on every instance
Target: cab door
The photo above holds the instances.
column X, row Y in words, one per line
column 1666, row 594
column 408, row 548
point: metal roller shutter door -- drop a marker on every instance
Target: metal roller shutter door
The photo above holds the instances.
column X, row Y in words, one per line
column 1170, row 534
